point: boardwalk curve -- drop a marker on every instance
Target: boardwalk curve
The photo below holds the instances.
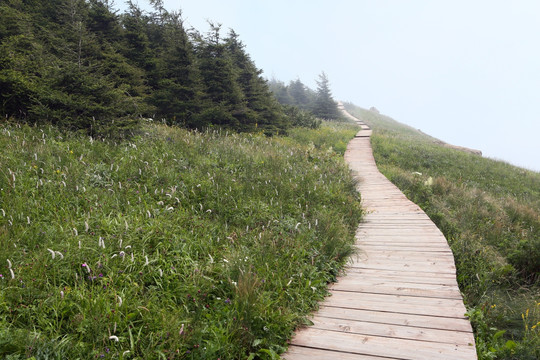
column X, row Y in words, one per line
column 399, row 298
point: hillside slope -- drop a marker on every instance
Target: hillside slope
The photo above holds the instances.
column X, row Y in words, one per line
column 175, row 244
column 490, row 213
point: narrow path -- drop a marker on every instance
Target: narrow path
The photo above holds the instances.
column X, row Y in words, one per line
column 399, row 298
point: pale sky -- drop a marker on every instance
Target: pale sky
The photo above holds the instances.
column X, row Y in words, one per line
column 464, row 71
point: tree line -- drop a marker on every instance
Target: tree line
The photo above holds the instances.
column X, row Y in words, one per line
column 319, row 103
column 82, row 65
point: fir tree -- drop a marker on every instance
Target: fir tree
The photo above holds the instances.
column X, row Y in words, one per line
column 177, row 89
column 298, row 91
column 222, row 95
column 263, row 112
column 325, row 107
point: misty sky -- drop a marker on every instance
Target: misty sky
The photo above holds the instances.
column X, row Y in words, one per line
column 467, row 72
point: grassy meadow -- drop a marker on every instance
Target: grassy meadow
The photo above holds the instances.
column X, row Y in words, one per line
column 173, row 245
column 490, row 213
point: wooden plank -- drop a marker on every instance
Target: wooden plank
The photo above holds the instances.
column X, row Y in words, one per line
column 404, row 280
column 415, row 255
column 404, row 247
column 397, row 331
column 306, row 353
column 410, row 266
column 396, row 241
column 382, row 346
column 397, row 288
column 409, row 275
column 386, row 317
column 396, row 303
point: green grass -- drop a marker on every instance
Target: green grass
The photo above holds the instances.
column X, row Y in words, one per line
column 490, row 213
column 172, row 245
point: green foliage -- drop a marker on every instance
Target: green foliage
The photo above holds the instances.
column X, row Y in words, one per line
column 331, row 136
column 325, row 107
column 304, row 106
column 489, row 212
column 79, row 65
column 302, row 96
column 301, row 118
column 175, row 244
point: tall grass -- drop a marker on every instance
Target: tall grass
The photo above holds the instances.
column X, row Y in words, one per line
column 173, row 245
column 490, row 213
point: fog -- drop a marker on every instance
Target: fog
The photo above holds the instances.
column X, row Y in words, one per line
column 465, row 72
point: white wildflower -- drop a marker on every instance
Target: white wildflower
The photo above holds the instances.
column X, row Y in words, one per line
column 115, row 338
column 52, row 253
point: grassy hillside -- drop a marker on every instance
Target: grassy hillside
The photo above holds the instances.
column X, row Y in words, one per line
column 173, row 245
column 490, row 213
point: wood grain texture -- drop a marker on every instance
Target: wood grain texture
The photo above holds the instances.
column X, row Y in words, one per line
column 399, row 298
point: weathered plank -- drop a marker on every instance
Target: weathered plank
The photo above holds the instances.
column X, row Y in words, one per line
column 397, row 303
column 386, row 317
column 396, row 288
column 304, row 353
column 392, row 331
column 383, row 346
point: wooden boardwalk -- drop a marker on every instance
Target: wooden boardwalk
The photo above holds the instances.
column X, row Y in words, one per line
column 399, row 298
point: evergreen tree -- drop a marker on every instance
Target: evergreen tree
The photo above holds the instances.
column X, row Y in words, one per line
column 298, row 91
column 80, row 65
column 177, row 90
column 53, row 69
column 325, row 107
column 136, row 45
column 223, row 98
column 263, row 112
column 281, row 92
column 20, row 70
